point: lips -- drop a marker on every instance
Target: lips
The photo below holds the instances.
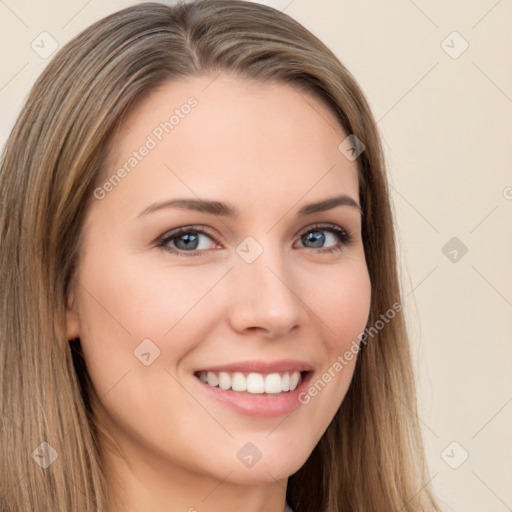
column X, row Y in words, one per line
column 240, row 386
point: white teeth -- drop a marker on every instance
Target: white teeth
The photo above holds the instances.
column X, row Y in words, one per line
column 294, row 380
column 224, row 380
column 285, row 382
column 254, row 383
column 238, row 382
column 213, row 380
column 273, row 383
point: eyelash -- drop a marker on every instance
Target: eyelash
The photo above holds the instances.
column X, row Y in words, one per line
column 343, row 236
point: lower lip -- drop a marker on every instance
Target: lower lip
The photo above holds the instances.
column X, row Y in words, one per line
column 268, row 405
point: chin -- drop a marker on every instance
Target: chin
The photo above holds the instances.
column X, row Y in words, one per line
column 265, row 461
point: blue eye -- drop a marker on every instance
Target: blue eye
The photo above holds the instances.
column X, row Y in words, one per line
column 315, row 235
column 186, row 241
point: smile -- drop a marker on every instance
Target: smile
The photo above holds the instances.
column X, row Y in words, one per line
column 254, row 383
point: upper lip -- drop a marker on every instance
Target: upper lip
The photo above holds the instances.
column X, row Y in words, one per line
column 282, row 366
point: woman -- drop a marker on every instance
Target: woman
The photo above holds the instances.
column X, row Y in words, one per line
column 256, row 372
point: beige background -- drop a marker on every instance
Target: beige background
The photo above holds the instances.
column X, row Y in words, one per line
column 447, row 127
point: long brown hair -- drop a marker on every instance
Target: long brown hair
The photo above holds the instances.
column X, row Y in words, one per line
column 371, row 456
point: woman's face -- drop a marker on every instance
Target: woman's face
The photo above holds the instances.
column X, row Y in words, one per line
column 251, row 297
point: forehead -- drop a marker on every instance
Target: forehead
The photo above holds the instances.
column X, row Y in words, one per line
column 209, row 134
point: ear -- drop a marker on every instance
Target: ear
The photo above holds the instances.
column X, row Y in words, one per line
column 72, row 319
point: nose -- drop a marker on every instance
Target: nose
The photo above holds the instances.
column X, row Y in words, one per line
column 265, row 297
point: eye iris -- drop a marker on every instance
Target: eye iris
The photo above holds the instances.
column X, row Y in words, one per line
column 189, row 240
column 317, row 237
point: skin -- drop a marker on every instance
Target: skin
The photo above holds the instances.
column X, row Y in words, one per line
column 268, row 150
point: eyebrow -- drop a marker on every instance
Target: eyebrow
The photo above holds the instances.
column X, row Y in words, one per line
column 228, row 210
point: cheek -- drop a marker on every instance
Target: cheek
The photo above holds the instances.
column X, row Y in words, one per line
column 340, row 306
column 141, row 300
column 130, row 310
column 342, row 303
column 122, row 303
